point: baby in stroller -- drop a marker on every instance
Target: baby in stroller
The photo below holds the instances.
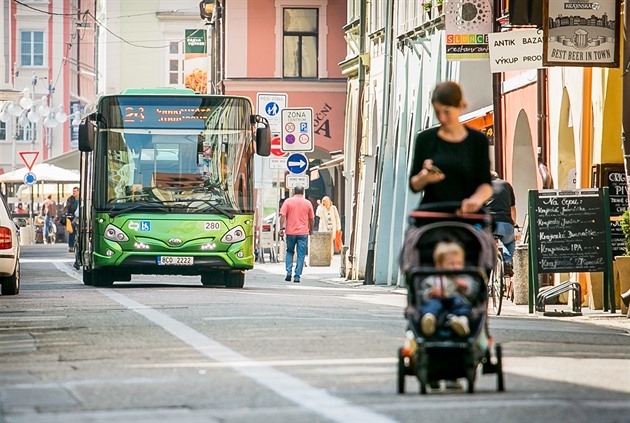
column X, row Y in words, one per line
column 447, row 297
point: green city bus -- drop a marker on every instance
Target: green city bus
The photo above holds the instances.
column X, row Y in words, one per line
column 167, row 186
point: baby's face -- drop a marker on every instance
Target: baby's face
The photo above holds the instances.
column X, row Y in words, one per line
column 452, row 262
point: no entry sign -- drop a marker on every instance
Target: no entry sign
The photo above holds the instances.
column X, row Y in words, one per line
column 276, row 147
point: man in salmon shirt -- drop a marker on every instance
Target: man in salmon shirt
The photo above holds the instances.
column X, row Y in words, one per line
column 296, row 221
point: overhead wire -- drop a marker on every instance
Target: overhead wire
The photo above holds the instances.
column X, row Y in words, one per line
column 104, row 27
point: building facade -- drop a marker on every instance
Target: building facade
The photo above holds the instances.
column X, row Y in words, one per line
column 47, row 68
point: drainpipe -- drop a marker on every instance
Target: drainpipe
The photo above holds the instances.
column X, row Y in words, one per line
column 625, row 117
column 359, row 139
column 369, row 267
column 587, row 118
column 542, row 121
column 497, row 107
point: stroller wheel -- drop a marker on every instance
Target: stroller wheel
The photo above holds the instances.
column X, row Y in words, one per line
column 499, row 369
column 402, row 371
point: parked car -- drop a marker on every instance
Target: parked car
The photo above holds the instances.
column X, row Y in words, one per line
column 9, row 250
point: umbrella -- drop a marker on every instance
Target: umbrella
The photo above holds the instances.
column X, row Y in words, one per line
column 44, row 172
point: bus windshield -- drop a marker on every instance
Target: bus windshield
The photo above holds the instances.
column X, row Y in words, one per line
column 188, row 154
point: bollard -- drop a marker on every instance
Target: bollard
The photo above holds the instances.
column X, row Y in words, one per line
column 520, row 279
column 320, row 249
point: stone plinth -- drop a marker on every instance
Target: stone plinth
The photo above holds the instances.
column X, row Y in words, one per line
column 319, row 249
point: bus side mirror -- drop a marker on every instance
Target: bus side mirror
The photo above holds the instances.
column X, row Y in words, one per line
column 86, row 134
column 263, row 141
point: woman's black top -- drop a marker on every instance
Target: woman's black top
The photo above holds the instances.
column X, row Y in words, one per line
column 466, row 164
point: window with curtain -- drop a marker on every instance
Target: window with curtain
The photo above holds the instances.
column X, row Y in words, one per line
column 31, row 48
column 300, row 32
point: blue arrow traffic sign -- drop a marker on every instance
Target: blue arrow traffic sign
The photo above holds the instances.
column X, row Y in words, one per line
column 297, row 163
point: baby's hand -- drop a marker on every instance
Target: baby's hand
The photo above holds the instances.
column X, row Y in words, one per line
column 435, row 292
column 462, row 283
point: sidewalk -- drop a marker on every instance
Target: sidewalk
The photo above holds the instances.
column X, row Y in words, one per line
column 332, row 275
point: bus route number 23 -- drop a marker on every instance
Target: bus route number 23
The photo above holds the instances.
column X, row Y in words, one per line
column 212, row 226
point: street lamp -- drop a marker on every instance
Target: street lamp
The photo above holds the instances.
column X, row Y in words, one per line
column 27, row 112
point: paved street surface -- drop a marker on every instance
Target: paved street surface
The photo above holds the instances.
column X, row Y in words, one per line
column 167, row 349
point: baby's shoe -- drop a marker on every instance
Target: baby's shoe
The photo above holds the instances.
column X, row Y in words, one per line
column 427, row 324
column 459, row 324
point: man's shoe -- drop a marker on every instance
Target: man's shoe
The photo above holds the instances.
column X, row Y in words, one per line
column 508, row 269
column 296, row 280
column 459, row 324
column 427, row 324
column 288, row 278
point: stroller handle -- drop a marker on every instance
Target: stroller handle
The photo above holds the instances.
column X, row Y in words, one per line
column 447, row 210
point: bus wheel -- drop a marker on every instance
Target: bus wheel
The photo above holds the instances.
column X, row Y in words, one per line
column 101, row 278
column 212, row 278
column 234, row 279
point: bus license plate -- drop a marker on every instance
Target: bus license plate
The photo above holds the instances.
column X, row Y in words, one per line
column 174, row 261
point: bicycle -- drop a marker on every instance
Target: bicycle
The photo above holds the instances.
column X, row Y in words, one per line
column 496, row 285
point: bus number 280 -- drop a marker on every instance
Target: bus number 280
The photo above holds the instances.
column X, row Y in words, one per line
column 212, row 226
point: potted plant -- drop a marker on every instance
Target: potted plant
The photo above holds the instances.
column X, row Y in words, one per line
column 621, row 265
column 439, row 4
column 427, row 5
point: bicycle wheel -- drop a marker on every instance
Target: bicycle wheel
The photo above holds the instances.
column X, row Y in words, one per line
column 497, row 287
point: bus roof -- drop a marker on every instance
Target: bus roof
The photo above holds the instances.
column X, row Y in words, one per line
column 158, row 91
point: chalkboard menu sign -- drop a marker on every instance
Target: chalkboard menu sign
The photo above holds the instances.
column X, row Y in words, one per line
column 569, row 228
column 613, row 176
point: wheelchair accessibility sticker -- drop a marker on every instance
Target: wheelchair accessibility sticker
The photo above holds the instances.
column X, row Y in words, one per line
column 142, row 226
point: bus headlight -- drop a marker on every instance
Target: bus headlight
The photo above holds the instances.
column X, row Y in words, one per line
column 114, row 234
column 234, row 235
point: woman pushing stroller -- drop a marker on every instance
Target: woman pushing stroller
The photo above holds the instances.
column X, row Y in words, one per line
column 446, row 261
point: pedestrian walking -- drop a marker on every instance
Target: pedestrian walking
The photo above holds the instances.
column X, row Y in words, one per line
column 69, row 213
column 296, row 224
column 49, row 212
column 451, row 162
column 329, row 220
column 502, row 208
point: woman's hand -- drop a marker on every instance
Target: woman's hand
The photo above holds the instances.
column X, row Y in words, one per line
column 426, row 176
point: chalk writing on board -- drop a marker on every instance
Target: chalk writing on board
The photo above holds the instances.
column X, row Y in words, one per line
column 571, row 231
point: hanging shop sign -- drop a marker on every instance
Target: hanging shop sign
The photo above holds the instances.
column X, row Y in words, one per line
column 516, row 50
column 581, row 33
column 468, row 23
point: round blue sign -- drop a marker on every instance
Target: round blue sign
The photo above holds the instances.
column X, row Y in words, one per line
column 30, row 178
column 290, row 139
column 297, row 163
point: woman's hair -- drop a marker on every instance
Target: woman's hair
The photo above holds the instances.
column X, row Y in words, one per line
column 444, row 248
column 448, row 93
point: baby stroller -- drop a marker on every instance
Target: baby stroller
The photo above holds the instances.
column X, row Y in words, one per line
column 445, row 355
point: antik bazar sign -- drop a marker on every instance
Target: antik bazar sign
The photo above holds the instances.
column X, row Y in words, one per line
column 581, row 33
column 516, row 50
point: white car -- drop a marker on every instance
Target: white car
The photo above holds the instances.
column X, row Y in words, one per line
column 9, row 250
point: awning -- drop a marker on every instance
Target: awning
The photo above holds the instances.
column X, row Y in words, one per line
column 69, row 160
column 479, row 119
column 337, row 161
